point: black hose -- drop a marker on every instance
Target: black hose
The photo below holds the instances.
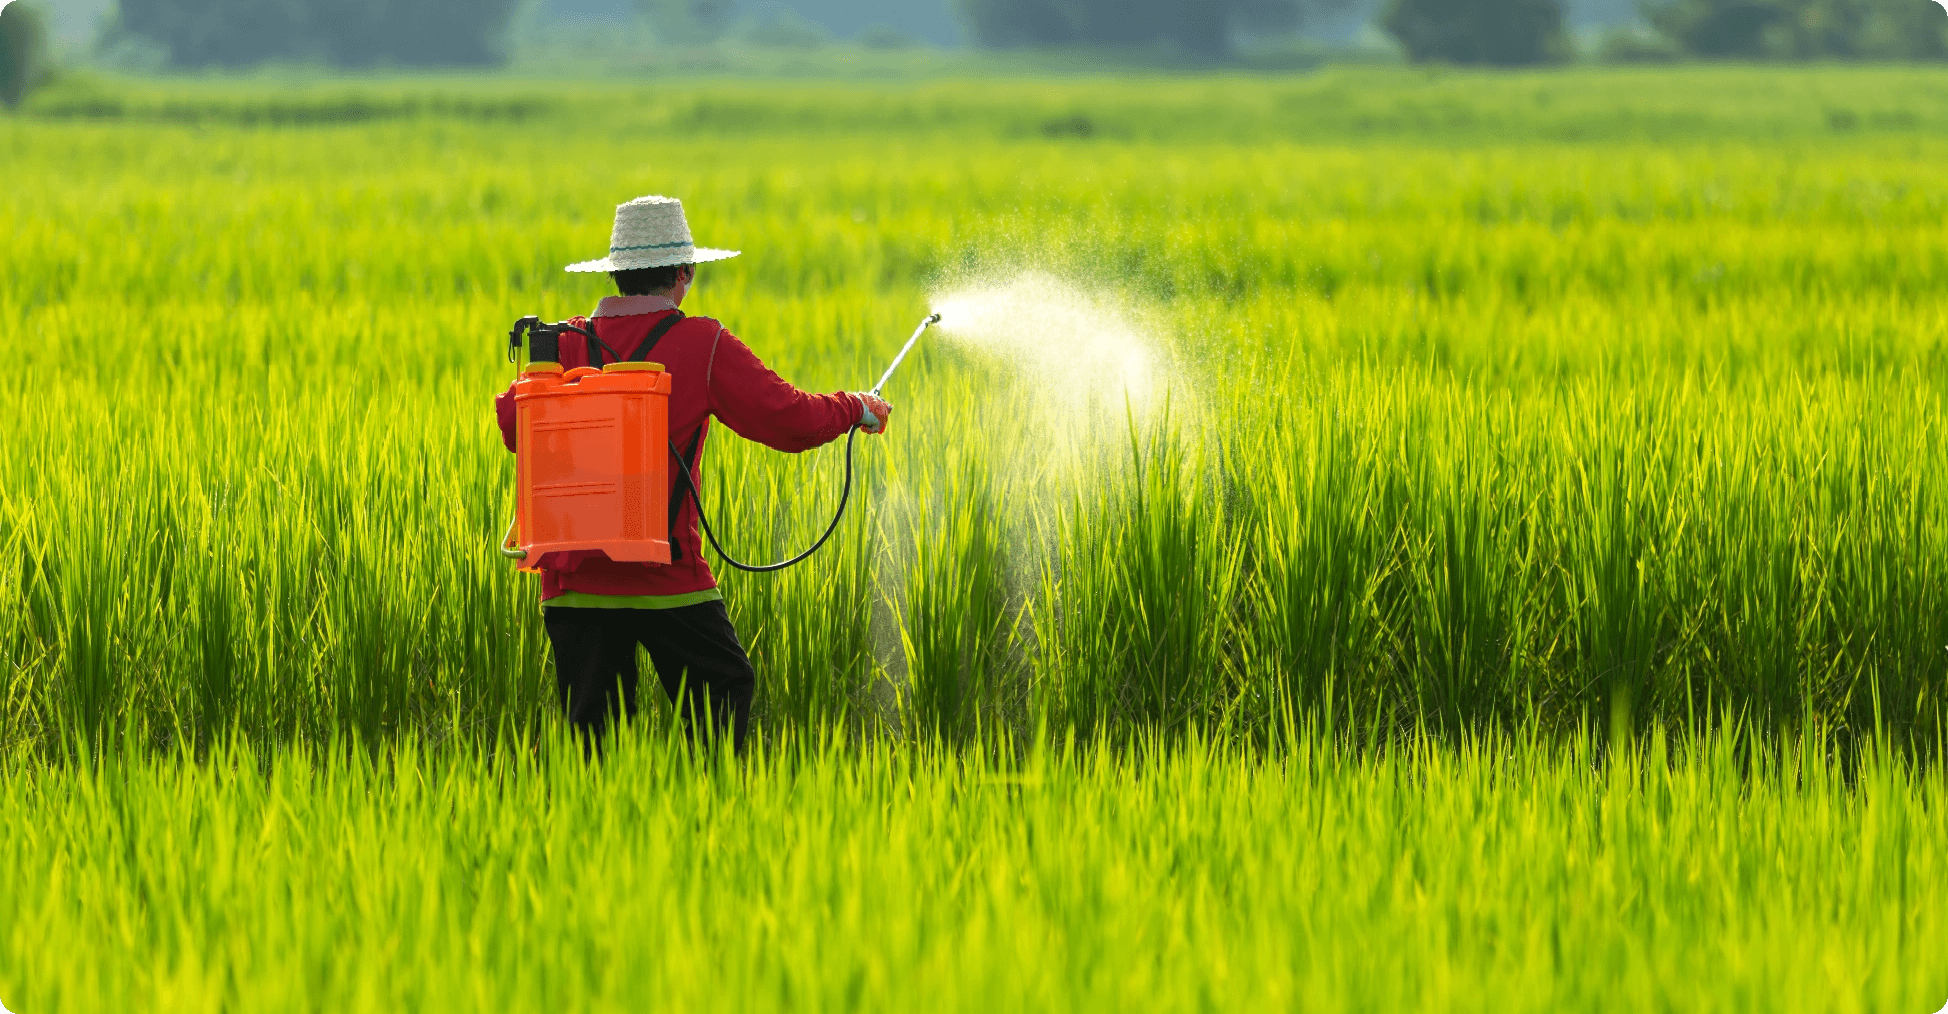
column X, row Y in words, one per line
column 844, row 494
column 592, row 336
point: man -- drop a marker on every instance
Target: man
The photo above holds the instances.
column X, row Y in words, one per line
column 597, row 610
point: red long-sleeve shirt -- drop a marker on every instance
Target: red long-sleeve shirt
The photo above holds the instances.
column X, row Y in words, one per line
column 713, row 375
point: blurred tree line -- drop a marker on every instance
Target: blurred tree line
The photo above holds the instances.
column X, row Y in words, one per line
column 343, row 33
column 1500, row 32
column 1530, row 31
column 1202, row 28
column 376, row 33
column 1802, row 29
column 23, row 51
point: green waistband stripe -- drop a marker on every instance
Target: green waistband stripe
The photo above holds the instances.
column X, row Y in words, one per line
column 584, row 600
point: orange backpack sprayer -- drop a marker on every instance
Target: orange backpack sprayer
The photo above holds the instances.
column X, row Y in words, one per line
column 592, row 453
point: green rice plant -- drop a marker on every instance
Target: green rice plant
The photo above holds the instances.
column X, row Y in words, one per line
column 1326, row 550
column 1134, row 615
column 953, row 610
column 1736, row 873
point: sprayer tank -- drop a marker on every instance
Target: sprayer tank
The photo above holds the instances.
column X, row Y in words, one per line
column 592, row 462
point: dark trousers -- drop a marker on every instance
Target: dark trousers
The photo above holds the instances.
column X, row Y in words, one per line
column 694, row 648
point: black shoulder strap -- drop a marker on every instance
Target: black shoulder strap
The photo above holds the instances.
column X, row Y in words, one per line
column 687, row 461
column 595, row 345
column 641, row 355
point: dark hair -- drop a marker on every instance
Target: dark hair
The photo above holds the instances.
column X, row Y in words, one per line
column 643, row 281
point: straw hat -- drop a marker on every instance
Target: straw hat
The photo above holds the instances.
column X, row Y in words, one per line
column 650, row 233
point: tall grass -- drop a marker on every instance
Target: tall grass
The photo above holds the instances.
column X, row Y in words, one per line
column 1476, row 434
column 1741, row 873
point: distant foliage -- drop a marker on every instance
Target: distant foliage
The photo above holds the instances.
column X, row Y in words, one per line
column 884, row 36
column 687, row 21
column 1205, row 28
column 413, row 32
column 23, row 52
column 1804, row 29
column 344, row 33
column 1501, row 32
column 787, row 29
column 1632, row 44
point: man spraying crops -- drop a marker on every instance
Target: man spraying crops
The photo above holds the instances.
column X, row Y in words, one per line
column 597, row 610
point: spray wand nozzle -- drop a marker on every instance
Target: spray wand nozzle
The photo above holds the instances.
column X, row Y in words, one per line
column 931, row 320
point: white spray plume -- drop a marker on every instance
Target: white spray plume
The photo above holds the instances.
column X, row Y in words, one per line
column 1058, row 369
column 1072, row 343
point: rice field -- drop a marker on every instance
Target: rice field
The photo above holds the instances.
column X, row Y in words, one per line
column 1503, row 877
column 1364, row 541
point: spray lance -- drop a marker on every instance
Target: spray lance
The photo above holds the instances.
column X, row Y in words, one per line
column 931, row 320
column 544, row 346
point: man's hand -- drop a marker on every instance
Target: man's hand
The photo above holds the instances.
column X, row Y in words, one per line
column 873, row 420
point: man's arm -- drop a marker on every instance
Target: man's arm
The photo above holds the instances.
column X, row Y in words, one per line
column 759, row 405
column 504, row 414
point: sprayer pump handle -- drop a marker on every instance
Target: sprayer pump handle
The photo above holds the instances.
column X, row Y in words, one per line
column 521, row 327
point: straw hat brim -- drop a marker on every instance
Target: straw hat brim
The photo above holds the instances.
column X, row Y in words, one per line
column 700, row 255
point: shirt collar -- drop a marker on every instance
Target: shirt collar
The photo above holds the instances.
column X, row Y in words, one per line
column 632, row 306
